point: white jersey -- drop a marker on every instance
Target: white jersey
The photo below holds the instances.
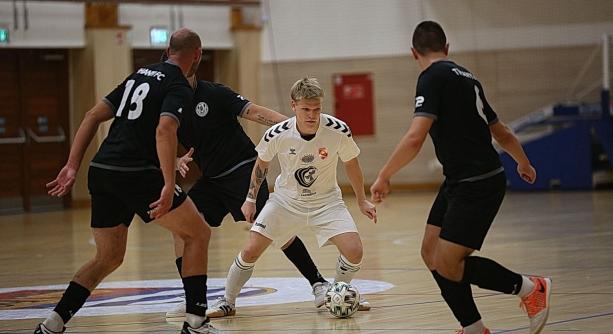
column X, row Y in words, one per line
column 308, row 167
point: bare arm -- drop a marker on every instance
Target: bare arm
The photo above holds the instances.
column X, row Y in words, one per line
column 510, row 144
column 166, row 145
column 262, row 115
column 258, row 175
column 356, row 178
column 404, row 153
column 62, row 184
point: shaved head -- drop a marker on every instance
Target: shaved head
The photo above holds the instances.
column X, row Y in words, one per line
column 184, row 40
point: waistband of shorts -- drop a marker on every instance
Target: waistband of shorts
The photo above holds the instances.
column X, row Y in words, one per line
column 484, row 175
column 234, row 168
column 122, row 168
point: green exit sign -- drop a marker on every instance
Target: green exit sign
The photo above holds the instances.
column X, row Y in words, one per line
column 4, row 35
column 159, row 36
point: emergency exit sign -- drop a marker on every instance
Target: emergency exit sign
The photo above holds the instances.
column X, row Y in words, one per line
column 4, row 35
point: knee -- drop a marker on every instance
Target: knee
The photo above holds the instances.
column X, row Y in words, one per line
column 108, row 262
column 250, row 254
column 354, row 253
column 199, row 233
column 449, row 268
column 427, row 255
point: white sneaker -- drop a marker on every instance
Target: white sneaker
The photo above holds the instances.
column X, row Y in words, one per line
column 364, row 305
column 319, row 291
column 221, row 308
column 206, row 328
column 178, row 311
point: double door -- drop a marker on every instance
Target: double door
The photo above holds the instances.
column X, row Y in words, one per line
column 34, row 127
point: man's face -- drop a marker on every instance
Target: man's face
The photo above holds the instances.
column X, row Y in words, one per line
column 196, row 62
column 307, row 114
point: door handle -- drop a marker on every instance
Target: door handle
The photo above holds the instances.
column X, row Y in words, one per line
column 14, row 140
column 60, row 138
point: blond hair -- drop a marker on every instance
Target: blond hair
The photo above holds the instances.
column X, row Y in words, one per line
column 306, row 88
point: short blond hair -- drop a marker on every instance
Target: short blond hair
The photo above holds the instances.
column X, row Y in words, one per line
column 306, row 88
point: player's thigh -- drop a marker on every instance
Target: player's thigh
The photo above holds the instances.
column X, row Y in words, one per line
column 107, row 208
column 185, row 222
column 279, row 224
column 428, row 245
column 207, row 197
column 472, row 207
column 331, row 221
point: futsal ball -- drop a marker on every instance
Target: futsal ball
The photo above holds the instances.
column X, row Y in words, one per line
column 342, row 299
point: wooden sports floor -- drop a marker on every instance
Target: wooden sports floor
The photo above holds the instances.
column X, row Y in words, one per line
column 568, row 236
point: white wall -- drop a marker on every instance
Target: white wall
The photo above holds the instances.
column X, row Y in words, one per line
column 57, row 24
column 212, row 23
column 324, row 29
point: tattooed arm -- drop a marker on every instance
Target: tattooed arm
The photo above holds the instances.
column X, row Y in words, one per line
column 258, row 175
column 262, row 115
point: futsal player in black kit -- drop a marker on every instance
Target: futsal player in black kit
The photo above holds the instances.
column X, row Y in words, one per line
column 134, row 173
column 225, row 155
column 450, row 104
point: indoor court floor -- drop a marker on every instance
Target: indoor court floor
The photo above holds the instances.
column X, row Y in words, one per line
column 565, row 235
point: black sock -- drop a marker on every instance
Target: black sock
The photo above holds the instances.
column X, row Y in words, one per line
column 459, row 298
column 488, row 274
column 298, row 254
column 179, row 263
column 73, row 299
column 195, row 294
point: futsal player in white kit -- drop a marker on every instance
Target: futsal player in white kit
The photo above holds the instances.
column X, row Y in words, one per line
column 306, row 192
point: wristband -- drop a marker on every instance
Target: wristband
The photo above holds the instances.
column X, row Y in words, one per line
column 250, row 200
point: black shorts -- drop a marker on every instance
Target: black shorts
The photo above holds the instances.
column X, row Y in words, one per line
column 117, row 196
column 465, row 210
column 216, row 197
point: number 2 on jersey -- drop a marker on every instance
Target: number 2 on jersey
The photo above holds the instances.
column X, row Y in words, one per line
column 140, row 93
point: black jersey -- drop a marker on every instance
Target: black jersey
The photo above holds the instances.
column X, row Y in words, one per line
column 211, row 127
column 150, row 92
column 454, row 98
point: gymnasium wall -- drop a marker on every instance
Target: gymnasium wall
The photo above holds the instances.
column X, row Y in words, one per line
column 526, row 53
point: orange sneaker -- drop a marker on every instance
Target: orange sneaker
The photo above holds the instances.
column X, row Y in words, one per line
column 461, row 331
column 536, row 303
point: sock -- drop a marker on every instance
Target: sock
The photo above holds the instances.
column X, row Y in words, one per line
column 298, row 254
column 195, row 296
column 239, row 273
column 526, row 287
column 54, row 322
column 73, row 299
column 459, row 298
column 195, row 321
column 488, row 274
column 345, row 270
column 179, row 263
column 476, row 328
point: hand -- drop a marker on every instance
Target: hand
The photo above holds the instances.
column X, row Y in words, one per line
column 63, row 181
column 248, row 210
column 527, row 172
column 183, row 161
column 369, row 210
column 163, row 204
column 379, row 190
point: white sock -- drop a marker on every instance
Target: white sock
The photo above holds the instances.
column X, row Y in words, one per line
column 345, row 270
column 475, row 328
column 194, row 321
column 239, row 273
column 526, row 287
column 54, row 322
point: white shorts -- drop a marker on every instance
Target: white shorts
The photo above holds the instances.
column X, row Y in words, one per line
column 279, row 221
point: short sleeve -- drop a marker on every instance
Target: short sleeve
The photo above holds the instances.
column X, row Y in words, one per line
column 428, row 96
column 348, row 149
column 232, row 101
column 178, row 97
column 488, row 112
column 267, row 148
column 113, row 99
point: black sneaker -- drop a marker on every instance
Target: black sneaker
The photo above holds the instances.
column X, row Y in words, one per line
column 41, row 329
column 205, row 328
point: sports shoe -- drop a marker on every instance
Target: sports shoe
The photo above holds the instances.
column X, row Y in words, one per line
column 536, row 303
column 461, row 331
column 178, row 311
column 364, row 305
column 319, row 291
column 41, row 329
column 221, row 308
column 205, row 328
